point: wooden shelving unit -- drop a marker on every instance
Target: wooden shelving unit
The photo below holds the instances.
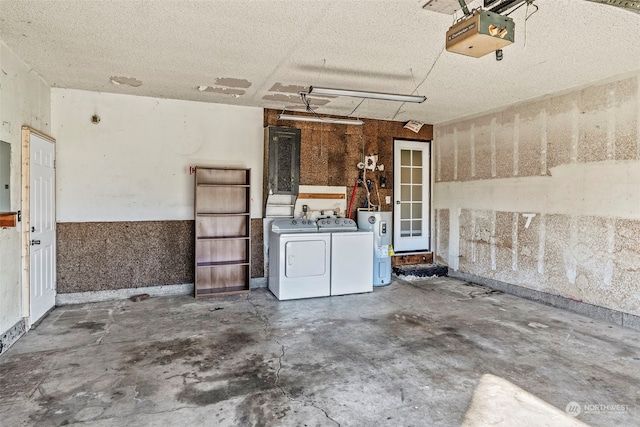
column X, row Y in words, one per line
column 223, row 231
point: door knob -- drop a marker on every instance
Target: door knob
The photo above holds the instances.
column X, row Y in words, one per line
column 35, row 242
column 397, row 202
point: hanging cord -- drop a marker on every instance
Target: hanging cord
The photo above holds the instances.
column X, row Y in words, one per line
column 307, row 105
column 415, row 91
column 430, row 69
column 422, row 82
column 527, row 2
column 357, row 106
column 368, row 203
column 353, row 196
column 397, row 111
column 371, row 205
column 364, row 169
column 324, row 62
column 530, row 3
column 310, row 110
column 528, row 15
column 378, row 194
column 366, row 187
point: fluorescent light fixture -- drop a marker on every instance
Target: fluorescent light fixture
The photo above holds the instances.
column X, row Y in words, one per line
column 313, row 90
column 320, row 119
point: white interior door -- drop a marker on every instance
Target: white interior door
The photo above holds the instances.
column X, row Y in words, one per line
column 411, row 191
column 42, row 249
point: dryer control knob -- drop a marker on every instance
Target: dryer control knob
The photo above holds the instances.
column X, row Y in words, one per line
column 337, row 221
column 294, row 222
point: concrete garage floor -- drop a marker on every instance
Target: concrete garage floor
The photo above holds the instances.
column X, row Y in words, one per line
column 410, row 354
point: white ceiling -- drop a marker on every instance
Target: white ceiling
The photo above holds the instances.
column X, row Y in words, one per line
column 262, row 53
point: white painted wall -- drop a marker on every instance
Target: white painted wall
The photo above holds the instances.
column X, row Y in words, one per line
column 24, row 100
column 134, row 164
column 546, row 194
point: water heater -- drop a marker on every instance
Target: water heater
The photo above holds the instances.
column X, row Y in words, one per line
column 380, row 223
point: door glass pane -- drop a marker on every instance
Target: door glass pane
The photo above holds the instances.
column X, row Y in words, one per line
column 417, row 158
column 417, row 175
column 405, row 175
column 405, row 211
column 405, row 228
column 405, row 157
column 417, row 193
column 417, row 228
column 416, row 210
column 405, row 192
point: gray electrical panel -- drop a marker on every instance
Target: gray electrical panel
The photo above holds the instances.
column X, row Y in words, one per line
column 284, row 160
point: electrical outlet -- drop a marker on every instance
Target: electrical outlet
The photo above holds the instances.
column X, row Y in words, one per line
column 387, row 200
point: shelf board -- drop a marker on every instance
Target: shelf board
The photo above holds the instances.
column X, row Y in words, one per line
column 231, row 290
column 222, row 214
column 221, row 263
column 223, row 238
column 8, row 219
column 321, row 196
column 224, row 185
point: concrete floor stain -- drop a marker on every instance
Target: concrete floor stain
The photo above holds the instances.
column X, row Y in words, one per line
column 249, row 376
column 165, row 352
column 92, row 327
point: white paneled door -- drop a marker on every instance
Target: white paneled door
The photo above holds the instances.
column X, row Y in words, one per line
column 411, row 192
column 42, row 252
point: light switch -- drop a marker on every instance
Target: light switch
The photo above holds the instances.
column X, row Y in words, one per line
column 387, row 199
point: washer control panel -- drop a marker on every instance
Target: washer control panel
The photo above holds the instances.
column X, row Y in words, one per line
column 337, row 224
column 296, row 224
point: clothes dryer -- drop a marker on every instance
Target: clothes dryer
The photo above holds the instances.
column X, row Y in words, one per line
column 351, row 261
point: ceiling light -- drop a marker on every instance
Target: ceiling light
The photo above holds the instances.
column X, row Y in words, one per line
column 320, row 119
column 313, row 90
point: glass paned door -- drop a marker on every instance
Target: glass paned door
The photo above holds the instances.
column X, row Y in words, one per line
column 411, row 192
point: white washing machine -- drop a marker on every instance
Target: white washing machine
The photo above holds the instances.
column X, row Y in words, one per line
column 351, row 261
column 299, row 260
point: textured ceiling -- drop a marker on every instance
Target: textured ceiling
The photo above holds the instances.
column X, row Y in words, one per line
column 262, row 53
